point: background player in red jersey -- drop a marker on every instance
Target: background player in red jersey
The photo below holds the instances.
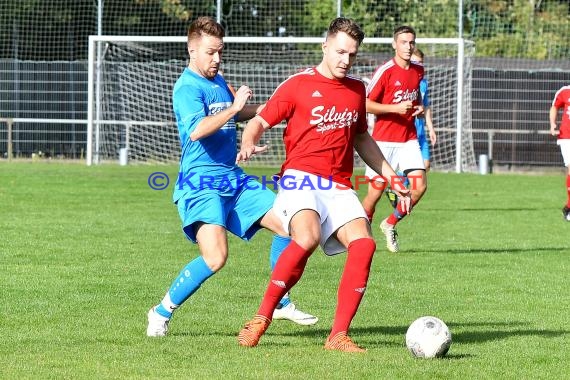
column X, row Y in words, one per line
column 326, row 121
column 393, row 96
column 562, row 101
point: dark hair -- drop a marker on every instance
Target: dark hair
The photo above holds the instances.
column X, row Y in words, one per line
column 205, row 25
column 403, row 29
column 418, row 53
column 348, row 26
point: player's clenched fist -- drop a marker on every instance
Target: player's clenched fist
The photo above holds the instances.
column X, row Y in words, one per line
column 243, row 94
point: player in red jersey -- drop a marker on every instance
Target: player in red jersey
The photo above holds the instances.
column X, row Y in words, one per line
column 562, row 101
column 393, row 96
column 326, row 121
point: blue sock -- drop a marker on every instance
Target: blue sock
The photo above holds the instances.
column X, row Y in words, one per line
column 278, row 244
column 186, row 284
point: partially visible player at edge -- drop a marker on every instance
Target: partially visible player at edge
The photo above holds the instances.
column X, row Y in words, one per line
column 393, row 96
column 326, row 122
column 562, row 101
column 427, row 120
column 207, row 112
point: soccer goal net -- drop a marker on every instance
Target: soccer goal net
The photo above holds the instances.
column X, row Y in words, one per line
column 131, row 79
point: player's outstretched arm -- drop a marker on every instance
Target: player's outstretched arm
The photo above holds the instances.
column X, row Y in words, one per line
column 250, row 137
column 249, row 111
column 368, row 150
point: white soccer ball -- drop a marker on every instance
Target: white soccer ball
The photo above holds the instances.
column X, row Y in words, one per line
column 428, row 337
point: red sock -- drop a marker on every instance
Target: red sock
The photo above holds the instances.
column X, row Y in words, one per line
column 568, row 189
column 398, row 214
column 286, row 273
column 353, row 282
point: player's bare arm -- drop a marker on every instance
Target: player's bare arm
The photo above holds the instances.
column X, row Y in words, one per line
column 429, row 123
column 211, row 124
column 249, row 111
column 376, row 108
column 552, row 115
column 250, row 137
column 368, row 150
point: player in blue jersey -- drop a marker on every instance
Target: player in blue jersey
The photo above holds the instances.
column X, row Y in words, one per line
column 421, row 124
column 426, row 121
column 212, row 193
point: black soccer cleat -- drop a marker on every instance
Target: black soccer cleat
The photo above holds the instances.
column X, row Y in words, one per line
column 566, row 213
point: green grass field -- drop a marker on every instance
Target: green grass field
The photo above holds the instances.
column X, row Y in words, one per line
column 85, row 251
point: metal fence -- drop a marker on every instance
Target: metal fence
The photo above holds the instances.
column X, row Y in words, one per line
column 509, row 111
column 43, row 68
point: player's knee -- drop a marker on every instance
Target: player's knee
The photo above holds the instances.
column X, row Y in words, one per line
column 418, row 187
column 216, row 261
column 423, row 187
column 308, row 242
column 272, row 223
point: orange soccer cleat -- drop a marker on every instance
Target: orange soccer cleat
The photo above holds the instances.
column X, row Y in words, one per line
column 253, row 330
column 341, row 342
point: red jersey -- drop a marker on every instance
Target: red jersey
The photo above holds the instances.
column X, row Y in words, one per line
column 392, row 84
column 323, row 116
column 562, row 100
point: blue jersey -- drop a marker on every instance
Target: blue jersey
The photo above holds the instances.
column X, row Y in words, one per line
column 213, row 157
column 421, row 122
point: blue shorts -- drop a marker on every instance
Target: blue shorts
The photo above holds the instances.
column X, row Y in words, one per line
column 237, row 210
column 424, row 147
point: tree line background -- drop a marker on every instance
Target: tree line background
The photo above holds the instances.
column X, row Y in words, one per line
column 58, row 29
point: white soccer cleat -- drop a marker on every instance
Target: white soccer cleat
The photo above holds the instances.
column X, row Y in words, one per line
column 293, row 314
column 391, row 236
column 157, row 324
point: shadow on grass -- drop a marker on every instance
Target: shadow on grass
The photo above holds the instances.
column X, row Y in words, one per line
column 383, row 336
column 477, row 332
column 492, row 335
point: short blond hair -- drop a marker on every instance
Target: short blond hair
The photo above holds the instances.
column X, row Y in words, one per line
column 205, row 25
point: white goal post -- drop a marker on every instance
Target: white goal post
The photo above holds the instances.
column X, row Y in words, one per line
column 130, row 80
